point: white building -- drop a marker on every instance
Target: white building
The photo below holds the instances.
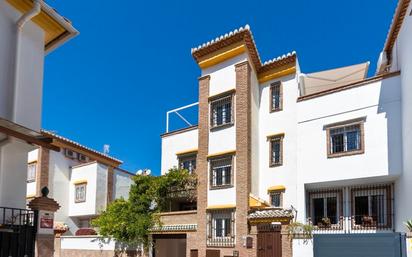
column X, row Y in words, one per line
column 24, row 42
column 83, row 181
column 331, row 149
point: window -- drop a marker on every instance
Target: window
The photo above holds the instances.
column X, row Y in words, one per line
column 371, row 206
column 188, row 162
column 80, row 192
column 31, row 172
column 221, row 112
column 276, row 97
column 221, row 172
column 276, row 150
column 276, row 199
column 221, row 228
column 346, row 139
column 325, row 208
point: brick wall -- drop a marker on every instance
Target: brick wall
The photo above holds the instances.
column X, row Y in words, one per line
column 42, row 176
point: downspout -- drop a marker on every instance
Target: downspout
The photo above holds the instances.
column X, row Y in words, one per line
column 20, row 24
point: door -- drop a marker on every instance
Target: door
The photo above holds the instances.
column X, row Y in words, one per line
column 269, row 244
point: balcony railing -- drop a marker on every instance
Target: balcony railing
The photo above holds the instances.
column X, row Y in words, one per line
column 11, row 218
column 221, row 242
column 356, row 209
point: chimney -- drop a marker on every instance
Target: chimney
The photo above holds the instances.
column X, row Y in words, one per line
column 106, row 149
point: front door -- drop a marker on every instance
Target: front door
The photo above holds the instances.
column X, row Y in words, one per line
column 269, row 243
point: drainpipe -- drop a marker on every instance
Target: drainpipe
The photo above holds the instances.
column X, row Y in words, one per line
column 20, row 24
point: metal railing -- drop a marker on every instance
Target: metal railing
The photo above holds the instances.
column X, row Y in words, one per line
column 176, row 111
column 10, row 217
column 353, row 209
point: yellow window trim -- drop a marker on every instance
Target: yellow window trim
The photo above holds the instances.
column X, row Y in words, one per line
column 276, row 188
column 220, row 207
column 223, row 56
column 275, row 135
column 187, row 152
column 276, row 74
column 231, row 152
column 80, row 181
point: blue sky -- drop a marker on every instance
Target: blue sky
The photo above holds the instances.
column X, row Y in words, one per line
column 131, row 63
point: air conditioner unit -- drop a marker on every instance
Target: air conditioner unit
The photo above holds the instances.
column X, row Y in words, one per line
column 82, row 158
column 70, row 154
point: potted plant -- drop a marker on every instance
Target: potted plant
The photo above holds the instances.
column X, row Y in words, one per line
column 60, row 229
column 324, row 223
column 367, row 221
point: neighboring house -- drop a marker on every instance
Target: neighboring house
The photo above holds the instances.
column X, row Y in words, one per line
column 273, row 145
column 29, row 31
column 83, row 181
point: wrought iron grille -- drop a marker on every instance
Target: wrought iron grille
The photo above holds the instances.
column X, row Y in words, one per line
column 221, row 228
column 221, row 111
column 353, row 209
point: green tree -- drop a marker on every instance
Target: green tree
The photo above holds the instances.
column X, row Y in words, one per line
column 129, row 221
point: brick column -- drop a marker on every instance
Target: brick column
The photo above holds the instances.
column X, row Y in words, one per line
column 110, row 181
column 243, row 153
column 42, row 176
column 202, row 165
column 46, row 207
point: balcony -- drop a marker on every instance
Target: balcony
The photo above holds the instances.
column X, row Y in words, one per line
column 359, row 209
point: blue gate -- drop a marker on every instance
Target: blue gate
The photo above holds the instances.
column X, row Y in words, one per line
column 359, row 245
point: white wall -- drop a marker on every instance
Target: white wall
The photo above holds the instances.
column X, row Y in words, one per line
column 302, row 247
column 121, row 184
column 30, row 70
column 379, row 103
column 13, row 174
column 90, row 243
column 403, row 61
column 176, row 143
column 270, row 123
column 101, row 187
column 87, row 172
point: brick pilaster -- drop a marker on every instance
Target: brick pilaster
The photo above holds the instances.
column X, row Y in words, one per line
column 243, row 153
column 110, row 184
column 202, row 164
column 42, row 176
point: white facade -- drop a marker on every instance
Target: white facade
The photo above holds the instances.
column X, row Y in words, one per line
column 402, row 60
column 65, row 173
column 381, row 168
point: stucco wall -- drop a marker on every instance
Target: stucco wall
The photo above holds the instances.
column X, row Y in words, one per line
column 403, row 61
column 270, row 123
column 379, row 104
column 87, row 173
column 13, row 174
column 121, row 185
column 176, row 143
column 30, row 69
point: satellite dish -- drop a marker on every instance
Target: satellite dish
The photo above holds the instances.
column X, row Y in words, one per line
column 148, row 171
column 139, row 172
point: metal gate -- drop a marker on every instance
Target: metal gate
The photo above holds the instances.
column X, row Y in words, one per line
column 269, row 241
column 17, row 232
column 359, row 245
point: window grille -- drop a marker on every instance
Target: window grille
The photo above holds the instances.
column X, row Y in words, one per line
column 221, row 172
column 276, row 96
column 276, row 199
column 31, row 172
column 345, row 139
column 188, row 162
column 351, row 209
column 221, row 112
column 276, row 151
column 80, row 193
column 221, row 228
